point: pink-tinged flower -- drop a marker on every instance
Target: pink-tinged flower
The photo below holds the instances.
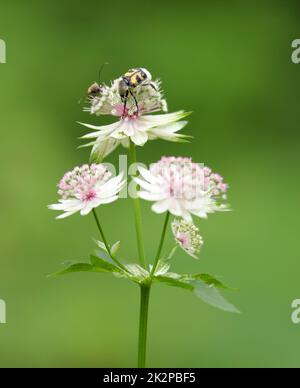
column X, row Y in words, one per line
column 182, row 187
column 85, row 188
column 136, row 122
column 187, row 236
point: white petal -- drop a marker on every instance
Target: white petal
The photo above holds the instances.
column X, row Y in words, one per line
column 167, row 132
column 125, row 143
column 92, row 135
column 176, row 208
column 146, row 174
column 86, row 210
column 111, row 187
column 163, row 119
column 56, row 206
column 120, row 131
column 139, row 138
column 66, row 214
column 103, row 148
column 151, row 196
column 118, row 135
column 104, row 128
column 187, row 216
column 67, row 205
column 199, row 213
column 107, row 200
column 161, row 206
column 142, row 125
column 152, row 188
column 128, row 128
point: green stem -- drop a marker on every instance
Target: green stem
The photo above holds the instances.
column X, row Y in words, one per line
column 144, row 304
column 161, row 243
column 106, row 243
column 144, row 307
column 137, row 212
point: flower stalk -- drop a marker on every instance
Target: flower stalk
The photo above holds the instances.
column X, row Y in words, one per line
column 137, row 212
column 144, row 304
column 112, row 256
column 144, row 289
column 161, row 243
column 144, row 308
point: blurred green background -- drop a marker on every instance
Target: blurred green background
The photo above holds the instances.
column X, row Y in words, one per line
column 229, row 62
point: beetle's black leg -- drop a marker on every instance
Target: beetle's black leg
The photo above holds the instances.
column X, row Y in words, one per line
column 125, row 102
column 135, row 100
column 150, row 84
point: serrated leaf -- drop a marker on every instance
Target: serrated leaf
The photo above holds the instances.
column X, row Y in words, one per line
column 211, row 280
column 211, row 296
column 115, row 247
column 173, row 281
column 104, row 264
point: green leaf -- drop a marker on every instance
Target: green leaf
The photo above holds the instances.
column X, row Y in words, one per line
column 211, row 296
column 77, row 267
column 104, row 264
column 211, row 280
column 115, row 247
column 136, row 273
column 98, row 264
column 101, row 245
column 175, row 282
column 104, row 256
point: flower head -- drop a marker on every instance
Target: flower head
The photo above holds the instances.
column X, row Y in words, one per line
column 187, row 236
column 85, row 188
column 149, row 98
column 182, row 187
column 136, row 121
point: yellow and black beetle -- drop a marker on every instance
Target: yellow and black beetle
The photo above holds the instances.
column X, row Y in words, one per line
column 130, row 81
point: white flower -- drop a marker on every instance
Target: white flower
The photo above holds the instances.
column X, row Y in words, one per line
column 85, row 188
column 182, row 187
column 187, row 236
column 134, row 123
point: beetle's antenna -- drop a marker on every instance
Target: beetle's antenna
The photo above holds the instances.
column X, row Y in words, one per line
column 100, row 71
column 99, row 78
